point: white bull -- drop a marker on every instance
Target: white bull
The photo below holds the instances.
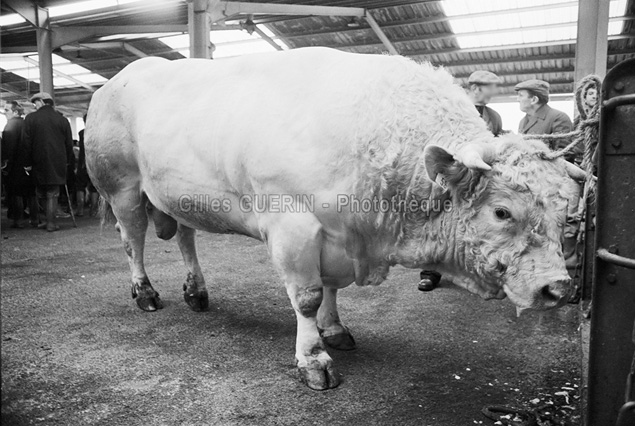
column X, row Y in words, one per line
column 343, row 164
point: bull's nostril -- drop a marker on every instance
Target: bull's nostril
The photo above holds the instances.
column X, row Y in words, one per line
column 549, row 294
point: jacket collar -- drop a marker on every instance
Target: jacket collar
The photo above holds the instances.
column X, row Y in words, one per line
column 541, row 113
column 531, row 120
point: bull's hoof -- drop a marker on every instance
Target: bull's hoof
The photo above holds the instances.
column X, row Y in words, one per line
column 198, row 301
column 150, row 304
column 319, row 378
column 342, row 341
column 147, row 299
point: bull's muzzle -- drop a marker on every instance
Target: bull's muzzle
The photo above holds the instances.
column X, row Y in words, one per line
column 555, row 293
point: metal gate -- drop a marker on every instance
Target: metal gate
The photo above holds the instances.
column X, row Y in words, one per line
column 612, row 336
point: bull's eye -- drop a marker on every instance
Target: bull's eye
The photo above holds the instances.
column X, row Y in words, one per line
column 502, row 213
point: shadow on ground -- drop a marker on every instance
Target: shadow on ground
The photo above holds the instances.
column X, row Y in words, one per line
column 77, row 351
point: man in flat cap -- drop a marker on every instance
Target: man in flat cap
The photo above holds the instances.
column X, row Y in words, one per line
column 48, row 138
column 540, row 118
column 482, row 87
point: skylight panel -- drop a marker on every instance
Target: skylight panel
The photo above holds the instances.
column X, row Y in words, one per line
column 69, row 9
column 11, row 19
column 90, row 78
column 617, row 8
column 79, row 7
column 556, row 23
column 13, row 62
column 87, row 6
column 62, row 82
column 71, row 69
column 23, row 66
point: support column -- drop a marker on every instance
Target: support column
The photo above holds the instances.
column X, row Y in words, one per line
column 591, row 47
column 45, row 51
column 73, row 121
column 199, row 28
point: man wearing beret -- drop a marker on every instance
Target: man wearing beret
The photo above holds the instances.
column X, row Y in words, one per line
column 49, row 142
column 540, row 118
column 482, row 87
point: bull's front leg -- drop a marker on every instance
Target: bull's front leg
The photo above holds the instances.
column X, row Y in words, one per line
column 333, row 332
column 295, row 251
column 314, row 363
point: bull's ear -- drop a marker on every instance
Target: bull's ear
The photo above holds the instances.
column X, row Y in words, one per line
column 437, row 161
column 449, row 172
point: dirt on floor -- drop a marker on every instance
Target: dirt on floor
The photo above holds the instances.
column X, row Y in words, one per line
column 76, row 350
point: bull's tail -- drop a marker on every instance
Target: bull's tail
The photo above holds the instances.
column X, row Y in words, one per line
column 106, row 213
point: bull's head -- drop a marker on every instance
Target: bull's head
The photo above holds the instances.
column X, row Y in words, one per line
column 510, row 208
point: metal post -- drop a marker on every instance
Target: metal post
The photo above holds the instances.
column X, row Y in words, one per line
column 591, row 47
column 45, row 51
column 198, row 28
column 613, row 306
column 73, row 121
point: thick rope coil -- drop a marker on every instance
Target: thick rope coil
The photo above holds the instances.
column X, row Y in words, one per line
column 586, row 133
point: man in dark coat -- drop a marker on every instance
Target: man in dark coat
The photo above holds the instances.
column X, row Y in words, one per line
column 540, row 118
column 20, row 186
column 49, row 140
column 482, row 87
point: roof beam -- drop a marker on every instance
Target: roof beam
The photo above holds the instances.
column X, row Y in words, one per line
column 522, row 72
column 27, row 10
column 66, row 35
column 222, row 10
column 522, row 59
column 10, row 89
column 382, row 36
column 19, row 49
column 266, row 38
column 109, row 45
column 135, row 51
column 429, row 52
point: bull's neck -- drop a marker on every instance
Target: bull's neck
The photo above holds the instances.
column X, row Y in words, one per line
column 438, row 241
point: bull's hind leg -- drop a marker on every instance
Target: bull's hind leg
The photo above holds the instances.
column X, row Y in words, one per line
column 295, row 252
column 132, row 223
column 195, row 293
column 331, row 329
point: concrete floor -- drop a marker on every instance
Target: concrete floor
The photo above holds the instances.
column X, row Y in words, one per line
column 76, row 350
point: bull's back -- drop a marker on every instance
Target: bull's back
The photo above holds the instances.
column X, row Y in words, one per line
column 279, row 123
column 274, row 124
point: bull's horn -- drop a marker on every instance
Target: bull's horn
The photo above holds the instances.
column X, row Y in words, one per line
column 476, row 155
column 574, row 171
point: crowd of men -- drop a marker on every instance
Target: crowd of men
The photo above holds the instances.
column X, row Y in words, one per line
column 539, row 119
column 38, row 164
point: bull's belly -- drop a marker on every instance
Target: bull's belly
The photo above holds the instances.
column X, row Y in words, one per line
column 209, row 211
column 207, row 205
column 336, row 267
